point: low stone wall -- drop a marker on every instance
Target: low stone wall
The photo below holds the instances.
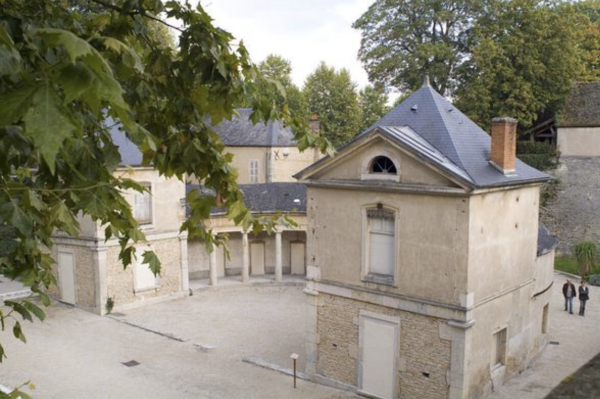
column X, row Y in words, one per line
column 574, row 214
column 424, row 355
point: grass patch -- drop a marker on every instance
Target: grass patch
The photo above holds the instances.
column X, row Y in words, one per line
column 568, row 265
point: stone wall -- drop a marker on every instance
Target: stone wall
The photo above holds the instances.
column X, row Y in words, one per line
column 84, row 268
column 424, row 356
column 121, row 282
column 574, row 214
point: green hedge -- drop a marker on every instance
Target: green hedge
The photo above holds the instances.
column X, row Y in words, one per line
column 540, row 155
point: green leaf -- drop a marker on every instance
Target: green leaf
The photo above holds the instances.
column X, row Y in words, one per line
column 75, row 46
column 64, row 219
column 48, row 124
column 152, row 261
column 5, row 38
column 36, row 310
column 14, row 104
column 20, row 309
column 30, row 198
column 74, row 80
column 130, row 57
column 18, row 333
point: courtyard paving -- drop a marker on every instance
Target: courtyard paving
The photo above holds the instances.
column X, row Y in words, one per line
column 198, row 347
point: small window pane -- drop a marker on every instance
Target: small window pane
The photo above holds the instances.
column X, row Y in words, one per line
column 253, row 171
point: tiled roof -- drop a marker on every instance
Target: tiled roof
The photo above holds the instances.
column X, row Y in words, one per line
column 432, row 128
column 130, row 153
column 582, row 107
column 241, row 132
column 267, row 197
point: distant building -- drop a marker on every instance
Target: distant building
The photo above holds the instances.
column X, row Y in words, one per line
column 428, row 273
column 265, row 152
column 88, row 269
column 579, row 124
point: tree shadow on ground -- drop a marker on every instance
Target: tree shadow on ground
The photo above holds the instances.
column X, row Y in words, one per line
column 584, row 383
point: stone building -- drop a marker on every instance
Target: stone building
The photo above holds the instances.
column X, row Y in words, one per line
column 265, row 156
column 428, row 273
column 88, row 269
column 282, row 252
column 263, row 152
column 574, row 214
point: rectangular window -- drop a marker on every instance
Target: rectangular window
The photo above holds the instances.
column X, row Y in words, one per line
column 253, row 171
column 499, row 348
column 380, row 246
column 144, row 278
column 142, row 205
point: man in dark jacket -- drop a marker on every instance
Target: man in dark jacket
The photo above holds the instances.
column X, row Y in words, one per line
column 569, row 293
column 584, row 295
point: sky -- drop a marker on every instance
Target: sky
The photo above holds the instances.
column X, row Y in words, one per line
column 305, row 32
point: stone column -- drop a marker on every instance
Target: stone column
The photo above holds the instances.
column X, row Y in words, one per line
column 461, row 350
column 278, row 257
column 245, row 258
column 185, row 275
column 213, row 266
column 99, row 256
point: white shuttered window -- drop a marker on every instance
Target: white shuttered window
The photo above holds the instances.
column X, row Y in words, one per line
column 382, row 238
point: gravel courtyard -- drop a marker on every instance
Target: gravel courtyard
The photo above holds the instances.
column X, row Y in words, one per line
column 207, row 346
column 188, row 348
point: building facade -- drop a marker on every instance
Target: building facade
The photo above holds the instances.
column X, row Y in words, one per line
column 89, row 272
column 425, row 277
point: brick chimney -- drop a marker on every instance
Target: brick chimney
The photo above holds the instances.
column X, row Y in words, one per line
column 313, row 122
column 504, row 144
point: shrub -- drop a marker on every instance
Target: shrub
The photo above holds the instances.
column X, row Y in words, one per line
column 539, row 155
column 586, row 253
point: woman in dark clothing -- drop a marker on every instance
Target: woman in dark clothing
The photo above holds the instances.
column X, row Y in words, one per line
column 584, row 295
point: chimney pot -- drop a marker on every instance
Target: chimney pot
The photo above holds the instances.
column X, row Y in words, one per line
column 504, row 144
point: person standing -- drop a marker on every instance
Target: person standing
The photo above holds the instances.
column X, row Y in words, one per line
column 584, row 295
column 569, row 293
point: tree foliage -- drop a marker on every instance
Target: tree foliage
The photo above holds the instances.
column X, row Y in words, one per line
column 586, row 253
column 373, row 105
column 402, row 40
column 332, row 96
column 67, row 71
column 277, row 86
column 524, row 61
column 495, row 57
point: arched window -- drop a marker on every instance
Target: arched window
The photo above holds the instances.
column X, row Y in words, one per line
column 383, row 164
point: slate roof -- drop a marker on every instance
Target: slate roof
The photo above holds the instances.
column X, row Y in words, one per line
column 582, row 107
column 130, row 153
column 240, row 132
column 546, row 241
column 432, row 128
column 267, row 197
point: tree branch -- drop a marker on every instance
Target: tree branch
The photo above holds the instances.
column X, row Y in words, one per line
column 140, row 12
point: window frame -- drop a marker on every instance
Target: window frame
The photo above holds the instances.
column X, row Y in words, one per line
column 366, row 274
column 149, row 193
column 499, row 348
column 253, row 177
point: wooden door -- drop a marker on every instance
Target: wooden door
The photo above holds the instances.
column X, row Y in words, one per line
column 298, row 258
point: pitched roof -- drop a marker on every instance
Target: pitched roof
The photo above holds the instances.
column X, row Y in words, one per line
column 432, row 128
column 582, row 107
column 130, row 153
column 266, row 197
column 241, row 132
